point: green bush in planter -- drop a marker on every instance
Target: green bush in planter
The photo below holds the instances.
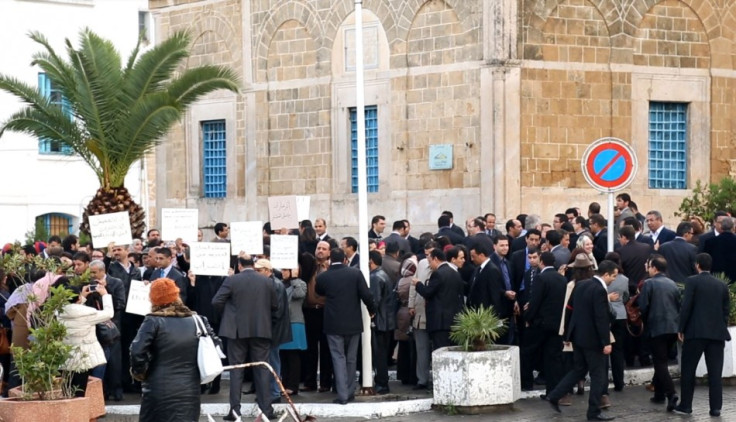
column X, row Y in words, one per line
column 476, row 329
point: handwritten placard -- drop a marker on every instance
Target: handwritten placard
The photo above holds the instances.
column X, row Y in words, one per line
column 110, row 228
column 139, row 302
column 282, row 212
column 179, row 223
column 246, row 236
column 302, row 207
column 210, row 258
column 285, row 251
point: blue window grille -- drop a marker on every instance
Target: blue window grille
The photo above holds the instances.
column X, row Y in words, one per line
column 371, row 148
column 667, row 145
column 48, row 90
column 214, row 155
column 56, row 224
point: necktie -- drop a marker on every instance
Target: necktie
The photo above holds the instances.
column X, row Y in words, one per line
column 161, row 273
column 505, row 273
column 532, row 273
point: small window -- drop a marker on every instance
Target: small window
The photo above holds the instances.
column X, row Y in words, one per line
column 55, row 224
column 214, row 155
column 144, row 31
column 371, row 148
column 667, row 145
column 48, row 90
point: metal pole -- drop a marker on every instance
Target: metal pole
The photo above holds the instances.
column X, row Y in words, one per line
column 611, row 221
column 367, row 381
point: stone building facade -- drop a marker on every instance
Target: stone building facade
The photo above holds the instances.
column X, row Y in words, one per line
column 517, row 88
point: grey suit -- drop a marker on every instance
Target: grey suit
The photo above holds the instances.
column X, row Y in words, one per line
column 246, row 301
column 562, row 255
column 404, row 245
column 680, row 257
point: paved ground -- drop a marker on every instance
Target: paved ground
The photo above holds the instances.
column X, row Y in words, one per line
column 630, row 405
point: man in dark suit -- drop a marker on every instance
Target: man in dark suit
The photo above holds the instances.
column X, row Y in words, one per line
column 680, row 254
column 378, row 225
column 589, row 332
column 716, row 223
column 344, row 288
column 454, row 227
column 246, row 301
column 165, row 269
column 542, row 315
column 487, row 287
column 443, row 223
column 513, row 230
column 413, row 241
column 639, row 236
column 561, row 252
column 722, row 249
column 600, row 236
column 519, row 261
column 633, row 257
column 476, row 233
column 703, row 328
column 350, row 246
column 660, row 234
column 444, row 295
column 397, row 236
column 531, row 222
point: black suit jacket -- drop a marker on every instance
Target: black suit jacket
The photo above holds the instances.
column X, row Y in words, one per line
column 705, row 308
column 633, row 257
column 547, row 300
column 455, row 238
column 704, row 238
column 487, row 288
column 182, row 282
column 444, row 297
column 517, row 244
column 722, row 249
column 680, row 256
column 344, row 288
column 355, row 261
column 590, row 320
column 246, row 301
column 600, row 245
column 517, row 267
column 646, row 239
column 666, row 235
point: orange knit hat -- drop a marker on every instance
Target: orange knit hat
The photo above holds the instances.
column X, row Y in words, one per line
column 163, row 292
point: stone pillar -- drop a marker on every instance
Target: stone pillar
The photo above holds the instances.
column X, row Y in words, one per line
column 249, row 94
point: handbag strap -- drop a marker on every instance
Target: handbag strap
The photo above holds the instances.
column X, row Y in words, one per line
column 201, row 330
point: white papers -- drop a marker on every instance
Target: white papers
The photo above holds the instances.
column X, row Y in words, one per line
column 284, row 251
column 179, row 223
column 282, row 212
column 246, row 236
column 209, row 258
column 139, row 302
column 110, row 228
column 302, row 208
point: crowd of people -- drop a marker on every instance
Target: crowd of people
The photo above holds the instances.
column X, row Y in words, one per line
column 572, row 307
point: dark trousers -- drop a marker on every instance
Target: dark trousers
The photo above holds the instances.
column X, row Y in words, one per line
column 618, row 329
column 406, row 363
column 440, row 338
column 691, row 351
column 344, row 351
column 318, row 351
column 259, row 349
column 663, row 385
column 130, row 325
column 547, row 344
column 291, row 365
column 591, row 361
column 79, row 383
column 381, row 340
column 114, row 371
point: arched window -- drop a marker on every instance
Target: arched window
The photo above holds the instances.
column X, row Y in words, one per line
column 55, row 223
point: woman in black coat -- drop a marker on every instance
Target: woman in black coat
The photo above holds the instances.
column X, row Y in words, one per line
column 163, row 357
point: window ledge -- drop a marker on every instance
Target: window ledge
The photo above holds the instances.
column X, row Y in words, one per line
column 59, row 157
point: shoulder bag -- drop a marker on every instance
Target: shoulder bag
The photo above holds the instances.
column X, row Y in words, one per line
column 208, row 357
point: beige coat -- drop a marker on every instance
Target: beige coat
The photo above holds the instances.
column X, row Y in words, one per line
column 417, row 301
column 80, row 321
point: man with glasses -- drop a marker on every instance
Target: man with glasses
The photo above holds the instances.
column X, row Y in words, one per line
column 680, row 254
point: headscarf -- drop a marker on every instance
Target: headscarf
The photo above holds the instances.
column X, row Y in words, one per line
column 409, row 267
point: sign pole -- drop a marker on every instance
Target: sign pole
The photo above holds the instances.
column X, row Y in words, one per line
column 611, row 221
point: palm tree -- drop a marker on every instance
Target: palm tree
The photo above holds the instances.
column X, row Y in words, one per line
column 110, row 115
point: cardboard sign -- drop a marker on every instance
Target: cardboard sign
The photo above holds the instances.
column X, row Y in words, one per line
column 282, row 212
column 179, row 223
column 209, row 258
column 246, row 236
column 302, row 207
column 285, row 251
column 110, row 228
column 139, row 302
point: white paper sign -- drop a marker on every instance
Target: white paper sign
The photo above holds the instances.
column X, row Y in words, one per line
column 282, row 212
column 107, row 228
column 139, row 302
column 246, row 236
column 285, row 251
column 302, row 207
column 179, row 223
column 209, row 258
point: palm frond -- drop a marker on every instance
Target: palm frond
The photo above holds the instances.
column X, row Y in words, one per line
column 202, row 80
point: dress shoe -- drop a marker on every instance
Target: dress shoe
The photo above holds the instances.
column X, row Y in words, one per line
column 715, row 413
column 555, row 405
column 566, row 400
column 618, row 388
column 581, row 388
column 338, row 401
column 601, row 418
column 232, row 416
column 382, row 391
column 680, row 411
column 605, row 402
column 650, row 387
column 420, row 387
column 657, row 400
column 351, row 397
column 672, row 402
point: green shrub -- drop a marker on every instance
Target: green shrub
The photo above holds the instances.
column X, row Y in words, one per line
column 476, row 329
column 707, row 199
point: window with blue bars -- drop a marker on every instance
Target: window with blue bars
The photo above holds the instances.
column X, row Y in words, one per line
column 214, row 154
column 55, row 224
column 48, row 90
column 667, row 145
column 371, row 148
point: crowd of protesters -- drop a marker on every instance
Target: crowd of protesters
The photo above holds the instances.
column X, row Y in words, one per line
column 545, row 279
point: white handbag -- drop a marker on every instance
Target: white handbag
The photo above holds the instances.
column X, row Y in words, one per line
column 208, row 356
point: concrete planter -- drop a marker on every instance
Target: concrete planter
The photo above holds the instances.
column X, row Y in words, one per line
column 729, row 359
column 67, row 410
column 476, row 379
column 94, row 394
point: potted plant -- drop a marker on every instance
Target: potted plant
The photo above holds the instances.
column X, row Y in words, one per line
column 476, row 375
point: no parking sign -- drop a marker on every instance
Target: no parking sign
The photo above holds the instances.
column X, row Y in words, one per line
column 609, row 164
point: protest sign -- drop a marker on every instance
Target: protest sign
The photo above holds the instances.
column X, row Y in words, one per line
column 285, row 251
column 110, row 228
column 179, row 223
column 138, row 301
column 282, row 212
column 246, row 236
column 302, row 207
column 209, row 258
